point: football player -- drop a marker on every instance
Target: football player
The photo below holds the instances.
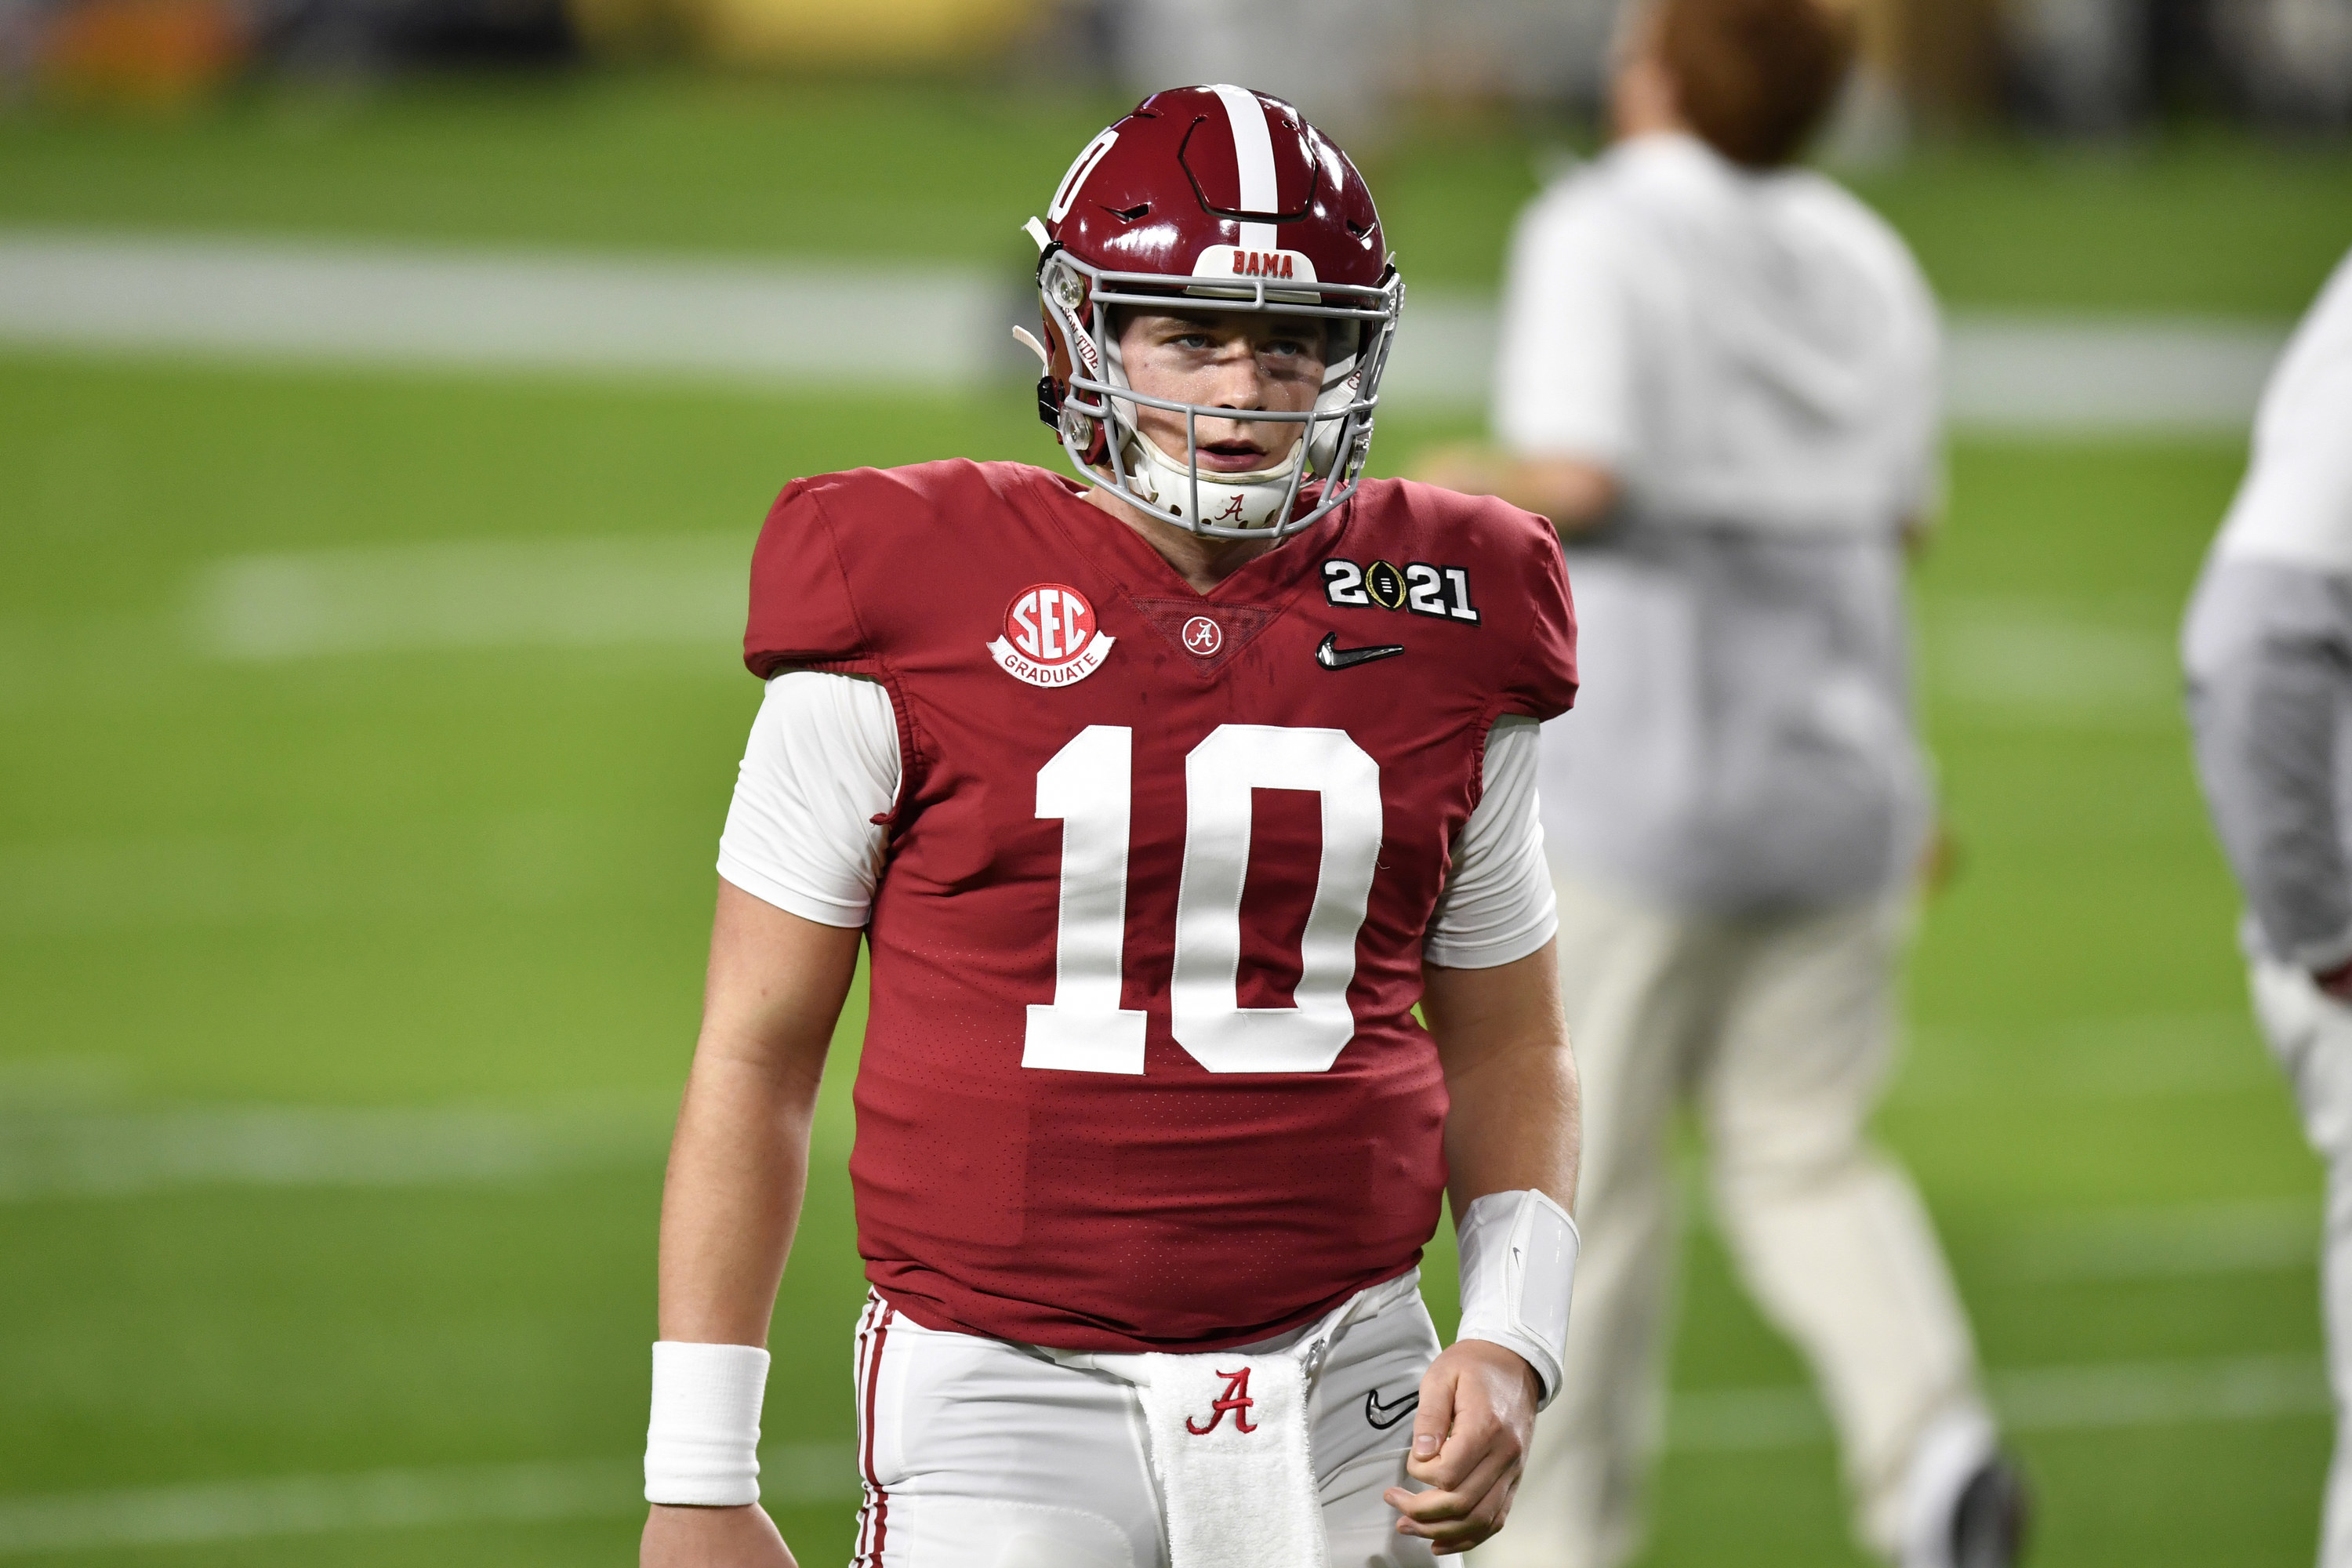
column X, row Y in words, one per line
column 2268, row 645
column 1161, row 793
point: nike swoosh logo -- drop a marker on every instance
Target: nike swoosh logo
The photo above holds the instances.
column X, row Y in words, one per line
column 1331, row 656
column 1374, row 1409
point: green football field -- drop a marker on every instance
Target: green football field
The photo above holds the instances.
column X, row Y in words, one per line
column 344, row 998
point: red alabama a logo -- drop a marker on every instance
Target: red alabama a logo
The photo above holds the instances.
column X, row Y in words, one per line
column 1235, row 1398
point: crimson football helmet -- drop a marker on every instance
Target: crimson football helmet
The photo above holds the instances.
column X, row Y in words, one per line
column 1224, row 199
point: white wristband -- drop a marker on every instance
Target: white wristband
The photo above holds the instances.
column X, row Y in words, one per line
column 1519, row 1268
column 703, row 1446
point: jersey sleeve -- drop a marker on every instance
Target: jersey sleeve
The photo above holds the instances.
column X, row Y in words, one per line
column 1564, row 374
column 801, row 614
column 821, row 767
column 1542, row 684
column 1497, row 904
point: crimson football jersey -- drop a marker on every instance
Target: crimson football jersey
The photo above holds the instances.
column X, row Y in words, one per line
column 1142, row 1070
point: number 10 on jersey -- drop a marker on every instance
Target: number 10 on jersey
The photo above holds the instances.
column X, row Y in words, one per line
column 1089, row 786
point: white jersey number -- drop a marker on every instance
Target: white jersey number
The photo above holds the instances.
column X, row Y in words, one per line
column 1089, row 786
column 1085, row 1029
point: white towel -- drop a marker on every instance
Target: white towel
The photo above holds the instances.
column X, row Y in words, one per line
column 1228, row 1440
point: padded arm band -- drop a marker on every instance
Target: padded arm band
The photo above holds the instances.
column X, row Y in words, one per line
column 1518, row 1267
column 703, row 1446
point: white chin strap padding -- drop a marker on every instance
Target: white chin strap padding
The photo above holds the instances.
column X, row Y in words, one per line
column 1519, row 1268
column 1323, row 455
column 1228, row 500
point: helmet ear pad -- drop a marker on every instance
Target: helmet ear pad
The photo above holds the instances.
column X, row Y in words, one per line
column 1064, row 301
column 1343, row 359
column 1054, row 383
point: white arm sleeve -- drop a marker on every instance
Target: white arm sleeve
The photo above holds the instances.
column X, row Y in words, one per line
column 1497, row 903
column 1518, row 1269
column 822, row 765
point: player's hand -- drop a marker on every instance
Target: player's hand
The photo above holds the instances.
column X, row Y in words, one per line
column 712, row 1537
column 1469, row 1442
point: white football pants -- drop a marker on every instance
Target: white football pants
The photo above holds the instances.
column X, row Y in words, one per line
column 1780, row 1032
column 980, row 1453
column 2311, row 1035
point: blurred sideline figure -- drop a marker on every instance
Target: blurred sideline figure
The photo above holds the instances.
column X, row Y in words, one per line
column 2268, row 646
column 1718, row 380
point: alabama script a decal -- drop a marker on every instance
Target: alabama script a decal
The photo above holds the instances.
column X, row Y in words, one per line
column 1050, row 636
column 1236, row 1399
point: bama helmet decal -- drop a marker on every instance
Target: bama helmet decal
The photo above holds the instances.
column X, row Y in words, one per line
column 1050, row 636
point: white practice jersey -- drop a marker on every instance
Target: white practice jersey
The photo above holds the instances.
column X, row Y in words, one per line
column 1753, row 357
column 822, row 771
column 1751, row 350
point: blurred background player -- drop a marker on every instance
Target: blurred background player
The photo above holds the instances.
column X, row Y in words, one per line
column 2268, row 646
column 1719, row 378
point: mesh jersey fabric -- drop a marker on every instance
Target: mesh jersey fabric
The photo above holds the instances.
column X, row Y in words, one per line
column 805, row 829
column 1176, row 1206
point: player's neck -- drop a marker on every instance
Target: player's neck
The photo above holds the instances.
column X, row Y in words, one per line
column 1643, row 101
column 1202, row 561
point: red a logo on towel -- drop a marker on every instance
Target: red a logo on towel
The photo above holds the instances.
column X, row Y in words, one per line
column 1235, row 1398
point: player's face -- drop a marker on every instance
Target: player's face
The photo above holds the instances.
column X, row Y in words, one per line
column 1238, row 358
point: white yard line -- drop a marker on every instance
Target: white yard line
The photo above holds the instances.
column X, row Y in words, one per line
column 2262, row 1236
column 687, row 590
column 416, row 305
column 2049, row 664
column 2021, row 374
column 2039, row 1399
column 380, row 1499
column 402, row 867
column 2158, row 1056
column 50, row 1155
column 2038, row 662
column 804, row 324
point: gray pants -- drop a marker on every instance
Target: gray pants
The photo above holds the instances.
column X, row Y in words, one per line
column 1780, row 1032
column 2311, row 1035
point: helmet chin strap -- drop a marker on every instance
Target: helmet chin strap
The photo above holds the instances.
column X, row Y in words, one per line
column 1247, row 500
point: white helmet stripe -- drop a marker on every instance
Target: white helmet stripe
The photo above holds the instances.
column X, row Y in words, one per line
column 1254, row 155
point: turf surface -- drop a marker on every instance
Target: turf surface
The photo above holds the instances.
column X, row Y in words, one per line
column 461, row 879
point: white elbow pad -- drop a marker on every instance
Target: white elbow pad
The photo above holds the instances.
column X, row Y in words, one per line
column 703, row 1446
column 1518, row 1266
